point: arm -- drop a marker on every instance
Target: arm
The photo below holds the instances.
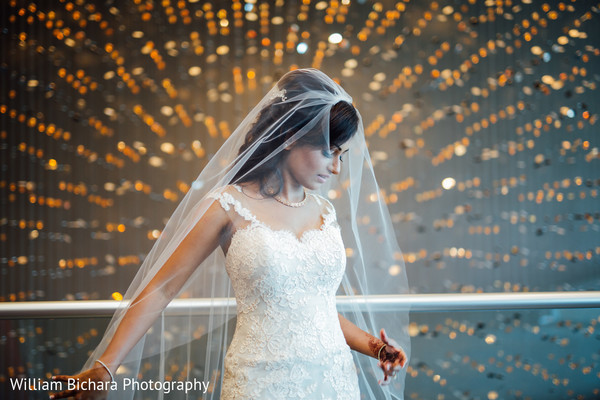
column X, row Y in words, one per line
column 200, row 242
column 390, row 357
column 359, row 340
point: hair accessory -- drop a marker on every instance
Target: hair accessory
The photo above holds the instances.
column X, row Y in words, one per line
column 290, row 204
column 379, row 353
column 112, row 378
column 279, row 93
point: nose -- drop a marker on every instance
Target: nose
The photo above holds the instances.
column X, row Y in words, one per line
column 335, row 166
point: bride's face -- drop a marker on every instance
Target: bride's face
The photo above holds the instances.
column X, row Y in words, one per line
column 312, row 166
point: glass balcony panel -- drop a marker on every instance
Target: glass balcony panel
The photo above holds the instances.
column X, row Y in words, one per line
column 505, row 354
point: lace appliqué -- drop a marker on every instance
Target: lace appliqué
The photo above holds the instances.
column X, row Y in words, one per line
column 288, row 343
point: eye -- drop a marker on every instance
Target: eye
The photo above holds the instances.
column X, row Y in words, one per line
column 328, row 153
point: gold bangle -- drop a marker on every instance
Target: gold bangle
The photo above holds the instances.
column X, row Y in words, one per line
column 379, row 352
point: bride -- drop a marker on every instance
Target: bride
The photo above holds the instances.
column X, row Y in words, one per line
column 259, row 214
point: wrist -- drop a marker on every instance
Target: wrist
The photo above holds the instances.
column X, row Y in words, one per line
column 106, row 369
column 379, row 351
column 374, row 346
column 111, row 361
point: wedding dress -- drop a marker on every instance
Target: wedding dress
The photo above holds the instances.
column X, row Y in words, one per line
column 288, row 343
column 288, row 338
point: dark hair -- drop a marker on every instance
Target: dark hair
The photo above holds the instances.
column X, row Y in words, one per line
column 343, row 124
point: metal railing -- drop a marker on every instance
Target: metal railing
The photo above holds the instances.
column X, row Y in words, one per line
column 387, row 303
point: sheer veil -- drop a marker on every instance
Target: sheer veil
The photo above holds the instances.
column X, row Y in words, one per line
column 186, row 344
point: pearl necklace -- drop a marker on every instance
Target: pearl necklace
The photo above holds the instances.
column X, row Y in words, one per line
column 289, row 204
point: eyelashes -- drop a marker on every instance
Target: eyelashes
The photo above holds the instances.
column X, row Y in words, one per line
column 330, row 154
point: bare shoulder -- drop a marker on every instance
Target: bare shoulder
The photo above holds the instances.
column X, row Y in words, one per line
column 251, row 189
column 211, row 210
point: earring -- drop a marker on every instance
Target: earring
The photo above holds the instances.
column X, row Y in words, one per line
column 270, row 191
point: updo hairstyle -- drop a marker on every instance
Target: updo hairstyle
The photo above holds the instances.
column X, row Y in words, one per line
column 343, row 124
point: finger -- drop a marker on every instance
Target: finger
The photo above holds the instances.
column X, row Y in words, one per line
column 388, row 367
column 383, row 336
column 391, row 366
column 402, row 358
column 63, row 394
column 398, row 364
column 393, row 343
column 62, row 378
column 387, row 380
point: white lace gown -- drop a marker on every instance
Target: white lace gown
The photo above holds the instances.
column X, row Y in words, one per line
column 288, row 343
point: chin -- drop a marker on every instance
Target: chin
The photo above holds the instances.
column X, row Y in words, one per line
column 312, row 185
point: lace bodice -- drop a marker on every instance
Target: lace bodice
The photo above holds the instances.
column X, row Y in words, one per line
column 288, row 342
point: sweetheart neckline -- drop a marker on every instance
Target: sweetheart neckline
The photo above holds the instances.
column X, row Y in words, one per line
column 325, row 216
column 298, row 240
column 328, row 217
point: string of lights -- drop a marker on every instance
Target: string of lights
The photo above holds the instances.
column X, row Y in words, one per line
column 480, row 117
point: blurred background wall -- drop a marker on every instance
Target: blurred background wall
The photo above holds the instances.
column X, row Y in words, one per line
column 479, row 117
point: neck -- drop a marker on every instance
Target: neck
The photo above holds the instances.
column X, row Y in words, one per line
column 292, row 193
column 291, row 190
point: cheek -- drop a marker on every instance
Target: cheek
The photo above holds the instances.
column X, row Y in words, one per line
column 308, row 162
column 317, row 162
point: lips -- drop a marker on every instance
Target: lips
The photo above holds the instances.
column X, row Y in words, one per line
column 323, row 178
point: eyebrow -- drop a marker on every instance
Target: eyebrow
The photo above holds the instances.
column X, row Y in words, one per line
column 340, row 149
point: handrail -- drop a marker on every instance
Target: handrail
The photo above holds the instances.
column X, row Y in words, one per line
column 384, row 303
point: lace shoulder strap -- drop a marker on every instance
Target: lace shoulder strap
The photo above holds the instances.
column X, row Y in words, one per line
column 329, row 212
column 227, row 200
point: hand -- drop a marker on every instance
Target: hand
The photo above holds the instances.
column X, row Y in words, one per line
column 391, row 359
column 90, row 379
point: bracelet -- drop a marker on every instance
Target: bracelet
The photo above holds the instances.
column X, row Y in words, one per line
column 112, row 378
column 379, row 352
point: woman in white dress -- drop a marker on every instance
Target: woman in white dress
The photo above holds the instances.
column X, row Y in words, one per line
column 259, row 213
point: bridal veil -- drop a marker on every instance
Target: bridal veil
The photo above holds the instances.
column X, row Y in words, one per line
column 187, row 343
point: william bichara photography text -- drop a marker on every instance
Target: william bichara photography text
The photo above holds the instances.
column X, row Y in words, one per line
column 27, row 384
